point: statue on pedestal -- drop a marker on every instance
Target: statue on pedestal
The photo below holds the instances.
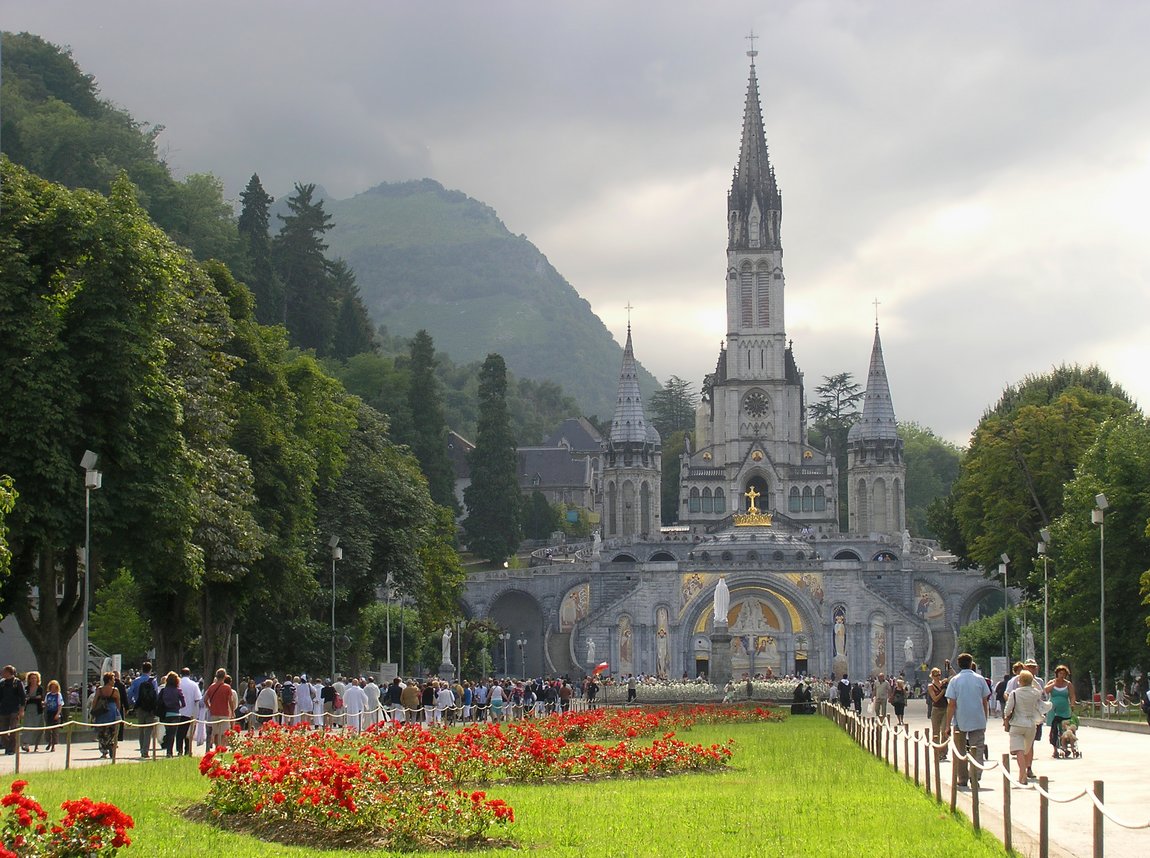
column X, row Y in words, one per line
column 908, row 651
column 590, row 652
column 447, row 644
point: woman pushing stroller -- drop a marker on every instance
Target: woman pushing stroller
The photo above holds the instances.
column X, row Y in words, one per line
column 1061, row 693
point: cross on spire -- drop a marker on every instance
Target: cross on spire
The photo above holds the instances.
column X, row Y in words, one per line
column 752, row 53
column 876, row 303
column 628, row 308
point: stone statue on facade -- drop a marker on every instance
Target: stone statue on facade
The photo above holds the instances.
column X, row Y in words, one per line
column 591, row 652
column 447, row 644
column 908, row 651
column 906, row 543
column 722, row 602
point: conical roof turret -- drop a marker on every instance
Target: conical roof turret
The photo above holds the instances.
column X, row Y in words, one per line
column 629, row 425
column 877, row 421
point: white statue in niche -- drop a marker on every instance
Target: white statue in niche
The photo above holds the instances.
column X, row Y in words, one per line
column 591, row 652
column 908, row 651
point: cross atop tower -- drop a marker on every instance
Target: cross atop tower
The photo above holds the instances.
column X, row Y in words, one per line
column 752, row 53
column 628, row 308
column 876, row 303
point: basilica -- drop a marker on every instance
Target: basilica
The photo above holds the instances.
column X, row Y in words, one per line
column 758, row 508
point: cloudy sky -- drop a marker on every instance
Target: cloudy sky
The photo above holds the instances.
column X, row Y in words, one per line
column 982, row 169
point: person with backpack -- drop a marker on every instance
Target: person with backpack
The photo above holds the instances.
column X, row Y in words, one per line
column 144, row 696
column 287, row 700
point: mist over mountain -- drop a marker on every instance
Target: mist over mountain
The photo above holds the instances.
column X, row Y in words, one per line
column 428, row 257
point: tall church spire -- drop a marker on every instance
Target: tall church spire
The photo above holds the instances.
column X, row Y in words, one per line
column 754, row 205
column 629, row 424
column 877, row 419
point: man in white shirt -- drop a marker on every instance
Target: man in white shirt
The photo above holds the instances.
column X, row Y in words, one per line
column 371, row 690
column 303, row 701
column 189, row 711
column 354, row 704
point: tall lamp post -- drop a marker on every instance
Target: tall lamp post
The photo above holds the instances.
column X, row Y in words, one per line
column 1005, row 608
column 389, row 585
column 1097, row 516
column 505, row 637
column 1043, row 549
column 93, row 480
column 336, row 554
column 459, row 648
column 522, row 644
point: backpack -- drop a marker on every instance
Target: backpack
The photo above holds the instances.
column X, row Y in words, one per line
column 147, row 699
column 287, row 693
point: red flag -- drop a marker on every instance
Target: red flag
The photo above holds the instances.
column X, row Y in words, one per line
column 599, row 668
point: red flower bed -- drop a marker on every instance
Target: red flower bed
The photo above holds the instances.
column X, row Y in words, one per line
column 88, row 829
column 416, row 784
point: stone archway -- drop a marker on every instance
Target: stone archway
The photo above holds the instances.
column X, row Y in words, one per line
column 519, row 614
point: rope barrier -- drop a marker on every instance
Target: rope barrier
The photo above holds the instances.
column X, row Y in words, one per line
column 990, row 765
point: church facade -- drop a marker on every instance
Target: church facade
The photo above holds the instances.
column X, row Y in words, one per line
column 758, row 509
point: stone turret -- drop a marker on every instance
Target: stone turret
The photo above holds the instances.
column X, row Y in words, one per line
column 631, row 461
column 876, row 472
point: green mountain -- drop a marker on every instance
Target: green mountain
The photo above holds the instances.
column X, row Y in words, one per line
column 427, row 257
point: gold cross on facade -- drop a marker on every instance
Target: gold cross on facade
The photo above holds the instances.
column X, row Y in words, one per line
column 751, row 495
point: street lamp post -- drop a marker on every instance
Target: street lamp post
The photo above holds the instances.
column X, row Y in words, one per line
column 1005, row 608
column 390, row 585
column 93, row 480
column 522, row 644
column 336, row 554
column 1097, row 516
column 459, row 648
column 1043, row 549
column 505, row 637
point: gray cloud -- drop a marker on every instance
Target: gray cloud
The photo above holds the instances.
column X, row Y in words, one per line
column 981, row 167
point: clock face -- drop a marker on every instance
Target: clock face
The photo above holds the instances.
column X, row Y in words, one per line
column 756, row 404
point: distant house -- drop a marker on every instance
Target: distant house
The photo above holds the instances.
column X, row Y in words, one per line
column 457, row 449
column 565, row 468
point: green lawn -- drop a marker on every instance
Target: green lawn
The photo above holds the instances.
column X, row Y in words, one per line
column 798, row 788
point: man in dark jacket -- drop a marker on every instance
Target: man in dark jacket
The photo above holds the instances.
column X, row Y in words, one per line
column 12, row 698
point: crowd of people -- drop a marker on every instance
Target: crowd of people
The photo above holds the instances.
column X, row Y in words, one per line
column 961, row 700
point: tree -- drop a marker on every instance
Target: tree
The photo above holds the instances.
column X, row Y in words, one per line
column 540, row 519
column 673, row 407
column 1022, row 454
column 353, row 331
column 255, row 237
column 116, row 625
column 832, row 418
column 8, row 497
column 428, row 439
column 932, row 466
column 493, row 499
column 673, row 447
column 298, row 255
column 1116, row 464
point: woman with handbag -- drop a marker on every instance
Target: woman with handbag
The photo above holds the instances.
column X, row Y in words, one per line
column 1020, row 715
column 169, row 702
column 105, row 711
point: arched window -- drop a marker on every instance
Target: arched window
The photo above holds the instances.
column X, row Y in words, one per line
column 726, row 555
column 695, row 505
column 746, row 297
column 705, row 555
column 612, row 510
column 794, row 501
column 820, row 499
column 777, row 556
column 708, row 502
column 720, row 501
column 762, row 294
column 808, row 499
column 752, row 555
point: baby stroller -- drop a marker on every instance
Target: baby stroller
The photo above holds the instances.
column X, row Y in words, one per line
column 1068, row 740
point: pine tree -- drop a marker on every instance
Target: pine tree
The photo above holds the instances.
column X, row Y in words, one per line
column 353, row 332
column 260, row 275
column 493, row 501
column 429, row 431
column 298, row 253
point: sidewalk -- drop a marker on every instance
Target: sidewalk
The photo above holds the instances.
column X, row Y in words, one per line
column 85, row 753
column 1119, row 759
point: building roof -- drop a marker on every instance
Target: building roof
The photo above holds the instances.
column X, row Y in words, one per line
column 551, row 467
column 877, row 421
column 457, row 449
column 577, row 434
